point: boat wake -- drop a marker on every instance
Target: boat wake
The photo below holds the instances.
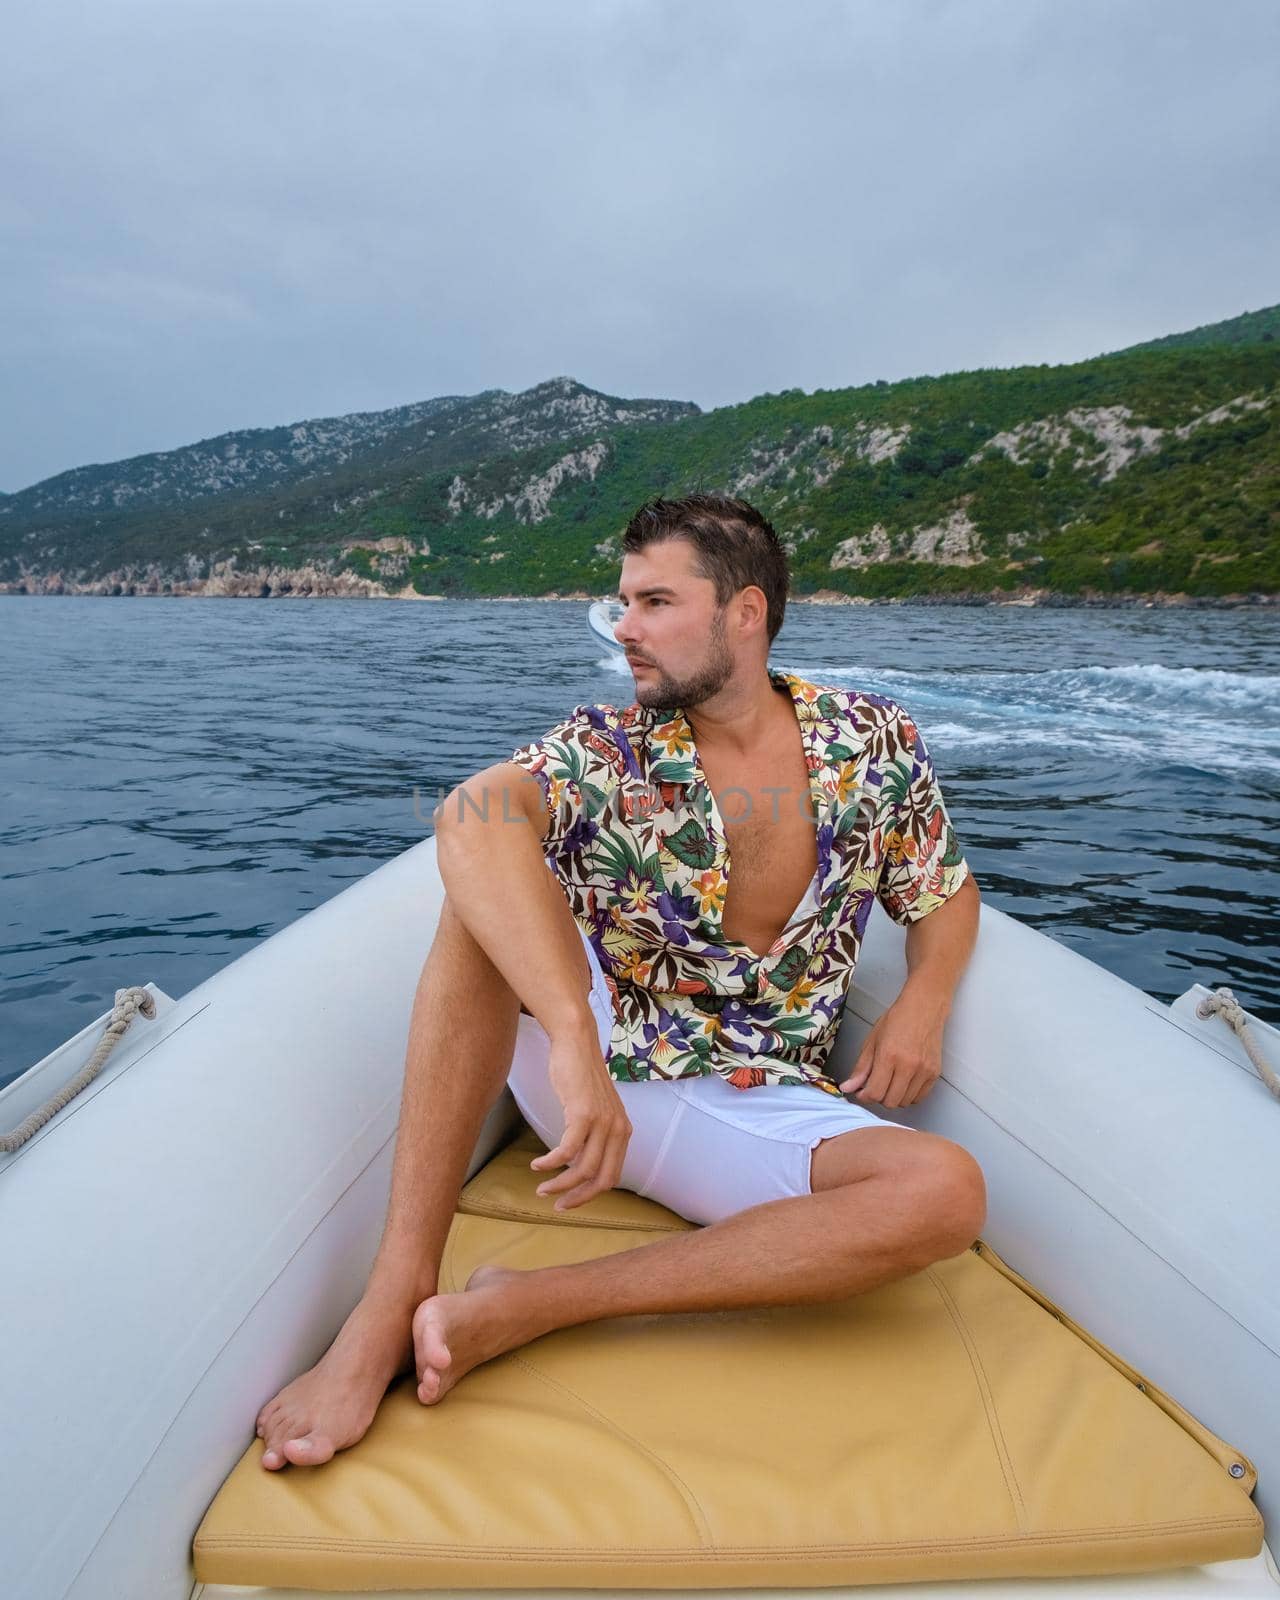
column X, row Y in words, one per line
column 1203, row 719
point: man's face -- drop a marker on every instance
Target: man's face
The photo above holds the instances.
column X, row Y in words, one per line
column 672, row 631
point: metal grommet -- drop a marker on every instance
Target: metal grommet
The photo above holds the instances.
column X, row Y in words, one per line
column 1236, row 1470
column 1142, row 1388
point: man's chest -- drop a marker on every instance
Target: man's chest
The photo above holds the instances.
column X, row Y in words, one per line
column 689, row 849
column 767, row 823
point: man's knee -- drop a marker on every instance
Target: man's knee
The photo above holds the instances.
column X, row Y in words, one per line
column 937, row 1188
column 953, row 1194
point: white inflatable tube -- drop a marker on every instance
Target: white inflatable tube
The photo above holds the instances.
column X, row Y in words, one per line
column 189, row 1234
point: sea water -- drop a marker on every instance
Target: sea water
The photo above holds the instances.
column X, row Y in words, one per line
column 182, row 778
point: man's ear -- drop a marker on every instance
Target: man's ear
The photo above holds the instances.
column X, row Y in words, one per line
column 753, row 608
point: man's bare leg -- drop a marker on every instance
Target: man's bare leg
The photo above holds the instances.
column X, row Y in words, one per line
column 461, row 1040
column 887, row 1202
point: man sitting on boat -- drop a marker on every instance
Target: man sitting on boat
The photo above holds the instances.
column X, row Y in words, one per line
column 680, row 1013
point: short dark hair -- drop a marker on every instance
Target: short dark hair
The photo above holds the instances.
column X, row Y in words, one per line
column 735, row 546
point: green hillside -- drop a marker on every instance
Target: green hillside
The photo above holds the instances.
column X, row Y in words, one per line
column 1253, row 327
column 1152, row 470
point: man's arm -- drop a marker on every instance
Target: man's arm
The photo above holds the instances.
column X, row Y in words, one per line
column 488, row 834
column 939, row 947
column 496, row 877
column 901, row 1057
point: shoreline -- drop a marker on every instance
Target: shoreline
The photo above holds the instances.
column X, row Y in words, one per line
column 1039, row 598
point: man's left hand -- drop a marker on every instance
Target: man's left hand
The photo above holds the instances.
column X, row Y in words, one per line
column 901, row 1058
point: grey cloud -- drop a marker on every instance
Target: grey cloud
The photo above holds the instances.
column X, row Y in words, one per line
column 217, row 215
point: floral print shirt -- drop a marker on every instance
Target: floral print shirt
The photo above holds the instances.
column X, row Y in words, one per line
column 638, row 844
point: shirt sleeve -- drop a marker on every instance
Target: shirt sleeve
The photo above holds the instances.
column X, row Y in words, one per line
column 922, row 864
column 567, row 763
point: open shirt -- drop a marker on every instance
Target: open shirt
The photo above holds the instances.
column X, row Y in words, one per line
column 638, row 844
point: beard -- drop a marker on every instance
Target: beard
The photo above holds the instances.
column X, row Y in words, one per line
column 715, row 671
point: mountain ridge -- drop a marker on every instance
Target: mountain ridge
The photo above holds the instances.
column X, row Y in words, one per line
column 1154, row 470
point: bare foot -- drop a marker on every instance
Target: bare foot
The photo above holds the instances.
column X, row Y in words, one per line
column 331, row 1406
column 454, row 1332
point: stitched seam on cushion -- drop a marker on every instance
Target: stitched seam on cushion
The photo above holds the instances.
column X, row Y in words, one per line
column 444, row 1273
column 692, row 1504
column 517, row 1213
column 726, row 1553
column 988, row 1400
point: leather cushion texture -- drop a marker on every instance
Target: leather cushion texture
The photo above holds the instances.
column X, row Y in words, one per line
column 953, row 1424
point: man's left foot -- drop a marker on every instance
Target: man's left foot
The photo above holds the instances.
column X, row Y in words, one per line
column 454, row 1332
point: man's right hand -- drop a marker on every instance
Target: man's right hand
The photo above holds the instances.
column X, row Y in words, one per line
column 596, row 1127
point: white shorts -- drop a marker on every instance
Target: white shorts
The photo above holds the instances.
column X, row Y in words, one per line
column 698, row 1146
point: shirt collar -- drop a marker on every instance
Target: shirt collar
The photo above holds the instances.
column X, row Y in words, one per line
column 670, row 745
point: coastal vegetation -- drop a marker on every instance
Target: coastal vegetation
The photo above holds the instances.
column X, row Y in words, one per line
column 1149, row 471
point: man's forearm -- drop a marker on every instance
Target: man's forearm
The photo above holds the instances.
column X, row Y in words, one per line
column 939, row 947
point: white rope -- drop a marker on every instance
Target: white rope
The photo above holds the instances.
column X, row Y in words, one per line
column 128, row 1003
column 1224, row 1004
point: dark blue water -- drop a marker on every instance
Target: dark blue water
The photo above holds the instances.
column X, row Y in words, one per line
column 182, row 778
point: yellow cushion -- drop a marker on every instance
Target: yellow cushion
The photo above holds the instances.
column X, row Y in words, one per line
column 950, row 1425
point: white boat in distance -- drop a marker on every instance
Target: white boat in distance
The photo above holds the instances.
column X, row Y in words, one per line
column 602, row 618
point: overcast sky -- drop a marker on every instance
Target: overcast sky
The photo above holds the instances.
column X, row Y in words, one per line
column 221, row 215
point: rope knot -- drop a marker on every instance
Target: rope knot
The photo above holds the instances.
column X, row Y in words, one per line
column 129, row 1002
column 1224, row 1004
column 132, row 1000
